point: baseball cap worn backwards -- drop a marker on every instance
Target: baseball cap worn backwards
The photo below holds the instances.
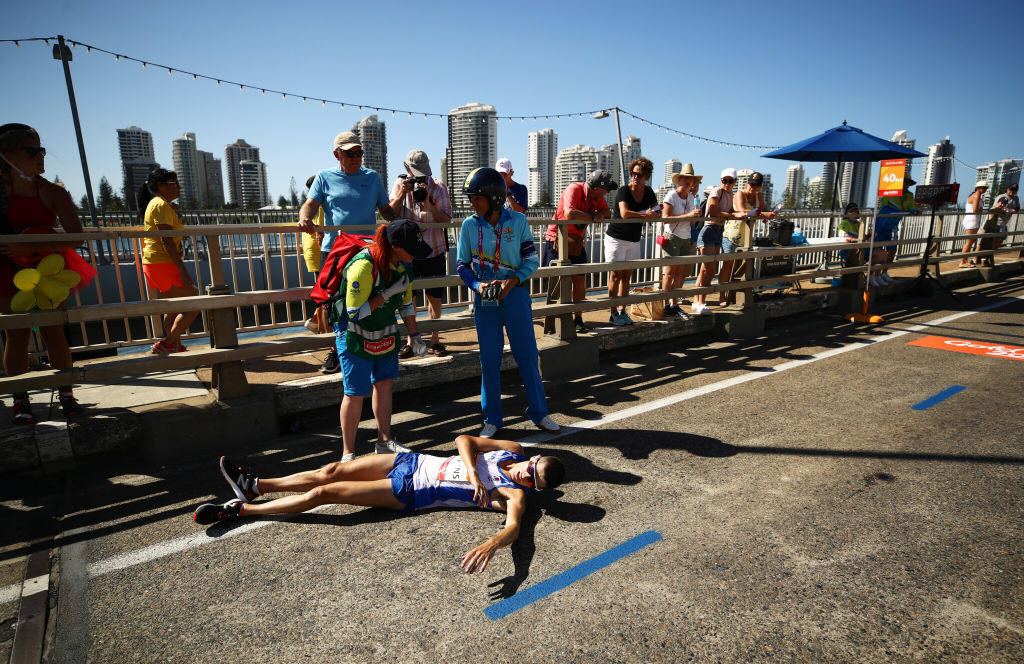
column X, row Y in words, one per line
column 418, row 163
column 408, row 235
column 504, row 165
column 346, row 140
column 602, row 179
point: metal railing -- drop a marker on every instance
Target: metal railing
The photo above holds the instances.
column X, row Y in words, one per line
column 259, row 250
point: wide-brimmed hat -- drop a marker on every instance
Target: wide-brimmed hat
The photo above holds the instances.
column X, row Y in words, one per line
column 687, row 172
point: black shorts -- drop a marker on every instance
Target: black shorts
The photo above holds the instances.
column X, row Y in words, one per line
column 436, row 266
column 550, row 254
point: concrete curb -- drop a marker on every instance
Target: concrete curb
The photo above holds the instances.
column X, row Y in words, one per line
column 163, row 431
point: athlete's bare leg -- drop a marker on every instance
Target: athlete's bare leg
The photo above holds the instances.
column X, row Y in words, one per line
column 364, row 469
column 375, row 493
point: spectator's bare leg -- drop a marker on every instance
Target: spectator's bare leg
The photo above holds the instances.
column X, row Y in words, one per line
column 382, row 408
column 351, row 410
column 16, row 352
column 56, row 346
column 434, row 311
column 968, row 246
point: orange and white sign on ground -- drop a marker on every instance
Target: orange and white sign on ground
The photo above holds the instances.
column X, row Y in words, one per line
column 890, row 177
column 972, row 347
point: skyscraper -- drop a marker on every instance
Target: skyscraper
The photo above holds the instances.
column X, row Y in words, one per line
column 768, row 190
column 186, row 165
column 213, row 196
column 816, row 192
column 373, row 134
column 541, row 152
column 900, row 138
column 252, row 177
column 234, row 154
column 828, row 174
column 573, row 165
column 672, row 166
column 854, row 183
column 795, row 184
column 999, row 175
column 472, row 141
column 939, row 167
column 137, row 160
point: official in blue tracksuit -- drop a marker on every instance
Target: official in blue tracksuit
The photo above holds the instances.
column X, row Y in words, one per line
column 496, row 257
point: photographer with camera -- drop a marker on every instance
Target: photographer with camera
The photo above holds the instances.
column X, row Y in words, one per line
column 418, row 196
column 496, row 257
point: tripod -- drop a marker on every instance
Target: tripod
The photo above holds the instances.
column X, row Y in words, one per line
column 920, row 285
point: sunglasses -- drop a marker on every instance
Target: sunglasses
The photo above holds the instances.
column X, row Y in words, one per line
column 352, row 153
column 33, row 151
column 637, row 174
column 728, row 180
column 531, row 468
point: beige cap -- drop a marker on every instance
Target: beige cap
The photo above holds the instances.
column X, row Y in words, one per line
column 418, row 163
column 346, row 140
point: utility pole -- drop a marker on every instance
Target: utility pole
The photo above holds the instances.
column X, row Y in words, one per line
column 62, row 52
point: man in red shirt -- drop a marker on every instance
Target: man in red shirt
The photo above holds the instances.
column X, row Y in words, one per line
column 583, row 202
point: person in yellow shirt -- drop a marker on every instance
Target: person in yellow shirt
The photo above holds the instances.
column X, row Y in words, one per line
column 161, row 257
column 313, row 257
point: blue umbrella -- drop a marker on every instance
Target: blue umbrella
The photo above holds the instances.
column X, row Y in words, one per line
column 841, row 144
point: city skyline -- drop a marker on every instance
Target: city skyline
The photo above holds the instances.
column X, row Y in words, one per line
column 808, row 95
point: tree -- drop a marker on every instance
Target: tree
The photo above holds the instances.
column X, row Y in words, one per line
column 83, row 204
column 282, row 201
column 788, row 199
column 294, row 192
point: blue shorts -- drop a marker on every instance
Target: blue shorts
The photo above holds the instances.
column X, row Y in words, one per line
column 710, row 236
column 728, row 246
column 401, row 479
column 359, row 374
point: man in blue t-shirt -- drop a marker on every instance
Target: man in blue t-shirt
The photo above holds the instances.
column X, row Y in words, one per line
column 350, row 195
column 517, row 194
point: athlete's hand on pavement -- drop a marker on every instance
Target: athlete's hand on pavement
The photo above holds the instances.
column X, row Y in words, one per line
column 418, row 345
column 396, row 288
column 476, row 560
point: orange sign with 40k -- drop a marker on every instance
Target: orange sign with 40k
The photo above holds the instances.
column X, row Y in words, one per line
column 972, row 347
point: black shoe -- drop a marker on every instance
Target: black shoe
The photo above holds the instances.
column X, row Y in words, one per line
column 405, row 352
column 23, row 412
column 243, row 483
column 209, row 513
column 580, row 327
column 331, row 365
column 69, row 405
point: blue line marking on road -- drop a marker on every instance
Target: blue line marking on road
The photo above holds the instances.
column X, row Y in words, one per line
column 938, row 398
column 559, row 581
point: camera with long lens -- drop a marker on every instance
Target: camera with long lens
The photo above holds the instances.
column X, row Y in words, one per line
column 419, row 191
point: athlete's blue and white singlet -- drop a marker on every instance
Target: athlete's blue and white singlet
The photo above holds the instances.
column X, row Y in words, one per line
column 422, row 481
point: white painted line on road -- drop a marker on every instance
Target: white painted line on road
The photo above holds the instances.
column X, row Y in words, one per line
column 155, row 551
column 649, row 406
column 37, row 584
column 10, row 593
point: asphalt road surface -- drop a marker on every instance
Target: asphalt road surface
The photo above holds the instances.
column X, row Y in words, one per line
column 824, row 493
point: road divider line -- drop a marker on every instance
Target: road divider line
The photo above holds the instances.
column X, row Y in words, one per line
column 938, row 398
column 570, row 576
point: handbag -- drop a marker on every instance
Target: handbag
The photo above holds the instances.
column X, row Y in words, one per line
column 652, row 310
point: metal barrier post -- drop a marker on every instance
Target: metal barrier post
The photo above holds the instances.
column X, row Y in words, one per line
column 228, row 379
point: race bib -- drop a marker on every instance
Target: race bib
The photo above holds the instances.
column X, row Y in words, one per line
column 452, row 470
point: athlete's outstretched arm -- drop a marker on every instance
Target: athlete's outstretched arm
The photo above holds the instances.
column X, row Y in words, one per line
column 515, row 504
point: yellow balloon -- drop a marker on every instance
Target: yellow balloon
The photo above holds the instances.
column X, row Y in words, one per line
column 69, row 277
column 27, row 278
column 22, row 301
column 44, row 302
column 51, row 265
column 53, row 289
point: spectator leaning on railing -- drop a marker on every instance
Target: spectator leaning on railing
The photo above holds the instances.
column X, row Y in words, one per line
column 161, row 256
column 350, row 196
column 635, row 200
column 31, row 204
column 583, row 202
column 750, row 202
column 418, row 196
column 1004, row 206
column 675, row 235
column 496, row 257
column 972, row 220
column 709, row 242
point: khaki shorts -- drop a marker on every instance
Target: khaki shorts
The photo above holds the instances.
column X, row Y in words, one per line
column 676, row 246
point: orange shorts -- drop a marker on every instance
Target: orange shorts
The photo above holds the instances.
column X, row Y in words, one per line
column 162, row 276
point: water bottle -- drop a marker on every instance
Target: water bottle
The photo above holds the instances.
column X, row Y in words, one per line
column 798, row 237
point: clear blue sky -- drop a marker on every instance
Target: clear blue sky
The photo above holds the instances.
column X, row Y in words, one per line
column 758, row 73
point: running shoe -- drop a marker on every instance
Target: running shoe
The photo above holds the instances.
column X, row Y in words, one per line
column 488, row 431
column 700, row 309
column 348, row 456
column 616, row 319
column 180, row 348
column 332, row 364
column 669, row 310
column 160, row 348
column 311, row 325
column 580, row 327
column 23, row 411
column 69, row 405
column 548, row 425
column 208, row 513
column 626, row 320
column 680, row 314
column 241, row 481
column 405, row 352
column 390, row 447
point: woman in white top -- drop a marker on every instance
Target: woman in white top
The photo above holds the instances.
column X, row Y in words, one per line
column 972, row 220
column 676, row 235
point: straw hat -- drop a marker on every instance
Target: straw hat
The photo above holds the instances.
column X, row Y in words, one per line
column 687, row 172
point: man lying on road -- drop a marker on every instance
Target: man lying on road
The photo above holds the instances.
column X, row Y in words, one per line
column 490, row 474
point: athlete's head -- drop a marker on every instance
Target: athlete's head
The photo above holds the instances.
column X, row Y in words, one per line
column 547, row 472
